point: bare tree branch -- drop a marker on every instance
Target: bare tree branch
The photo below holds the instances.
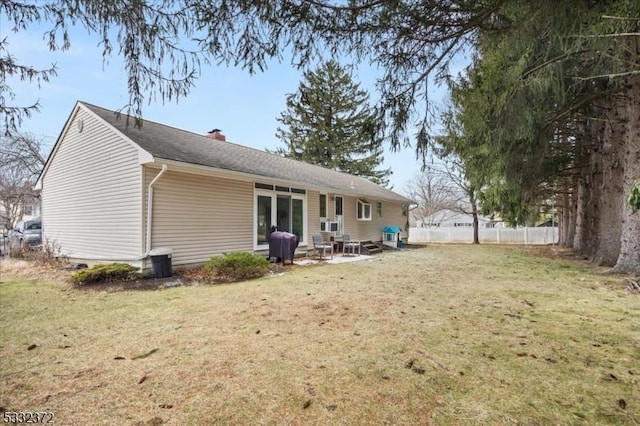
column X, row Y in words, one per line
column 21, row 160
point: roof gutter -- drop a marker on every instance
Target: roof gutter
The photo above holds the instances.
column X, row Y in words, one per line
column 150, row 208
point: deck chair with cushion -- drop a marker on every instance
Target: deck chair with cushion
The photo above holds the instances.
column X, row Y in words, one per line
column 321, row 247
column 349, row 245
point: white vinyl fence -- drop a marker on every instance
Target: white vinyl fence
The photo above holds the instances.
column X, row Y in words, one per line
column 541, row 235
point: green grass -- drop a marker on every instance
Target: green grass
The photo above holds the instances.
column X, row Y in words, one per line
column 441, row 335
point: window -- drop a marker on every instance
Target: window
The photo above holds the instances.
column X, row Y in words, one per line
column 379, row 208
column 363, row 210
column 290, row 215
column 31, row 210
column 259, row 185
column 297, row 217
column 323, row 207
column 264, row 219
column 338, row 210
column 263, row 186
column 338, row 205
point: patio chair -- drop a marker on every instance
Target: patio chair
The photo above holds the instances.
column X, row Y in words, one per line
column 349, row 245
column 321, row 247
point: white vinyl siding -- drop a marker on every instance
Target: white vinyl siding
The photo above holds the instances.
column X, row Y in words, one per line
column 200, row 216
column 371, row 229
column 91, row 194
column 313, row 214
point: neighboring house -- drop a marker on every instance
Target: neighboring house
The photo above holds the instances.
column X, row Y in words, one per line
column 11, row 213
column 452, row 218
column 113, row 192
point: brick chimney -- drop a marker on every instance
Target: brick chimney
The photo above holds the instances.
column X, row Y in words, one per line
column 217, row 135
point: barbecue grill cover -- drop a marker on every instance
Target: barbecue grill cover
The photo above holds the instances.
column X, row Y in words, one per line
column 283, row 245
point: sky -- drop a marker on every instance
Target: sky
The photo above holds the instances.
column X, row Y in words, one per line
column 245, row 107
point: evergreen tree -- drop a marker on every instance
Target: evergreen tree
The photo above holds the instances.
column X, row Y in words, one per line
column 555, row 118
column 328, row 122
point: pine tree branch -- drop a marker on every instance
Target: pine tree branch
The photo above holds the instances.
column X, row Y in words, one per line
column 585, row 101
column 351, row 8
column 608, row 76
column 548, row 62
column 621, row 18
column 605, row 35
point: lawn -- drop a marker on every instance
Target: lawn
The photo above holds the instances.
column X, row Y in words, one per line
column 439, row 335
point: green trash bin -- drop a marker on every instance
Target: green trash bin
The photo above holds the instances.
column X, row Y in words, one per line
column 161, row 262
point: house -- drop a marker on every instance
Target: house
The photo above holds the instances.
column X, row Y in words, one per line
column 112, row 192
column 17, row 203
column 456, row 219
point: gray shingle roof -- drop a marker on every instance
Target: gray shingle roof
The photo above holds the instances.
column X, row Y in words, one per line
column 169, row 143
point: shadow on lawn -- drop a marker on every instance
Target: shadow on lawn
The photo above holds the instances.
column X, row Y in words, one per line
column 143, row 284
column 181, row 278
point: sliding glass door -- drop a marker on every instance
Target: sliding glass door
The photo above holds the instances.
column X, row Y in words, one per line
column 286, row 211
column 297, row 217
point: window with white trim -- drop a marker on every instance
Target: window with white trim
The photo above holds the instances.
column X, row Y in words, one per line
column 338, row 211
column 379, row 208
column 323, row 207
column 363, row 210
column 338, row 205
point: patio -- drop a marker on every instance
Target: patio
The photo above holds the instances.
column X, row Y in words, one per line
column 339, row 258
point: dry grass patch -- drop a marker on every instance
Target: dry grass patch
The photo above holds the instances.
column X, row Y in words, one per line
column 29, row 270
column 441, row 335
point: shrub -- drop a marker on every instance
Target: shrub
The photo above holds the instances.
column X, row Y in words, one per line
column 237, row 266
column 105, row 273
column 48, row 254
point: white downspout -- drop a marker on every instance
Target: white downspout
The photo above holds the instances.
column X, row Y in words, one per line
column 150, row 209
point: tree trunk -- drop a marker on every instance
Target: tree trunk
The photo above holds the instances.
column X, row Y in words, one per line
column 594, row 211
column 474, row 213
column 581, row 189
column 588, row 192
column 565, row 225
column 569, row 214
column 571, row 232
column 476, row 236
column 563, row 218
column 629, row 258
column 611, row 199
column 582, row 207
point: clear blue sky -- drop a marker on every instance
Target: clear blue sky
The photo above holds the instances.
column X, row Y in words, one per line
column 244, row 106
